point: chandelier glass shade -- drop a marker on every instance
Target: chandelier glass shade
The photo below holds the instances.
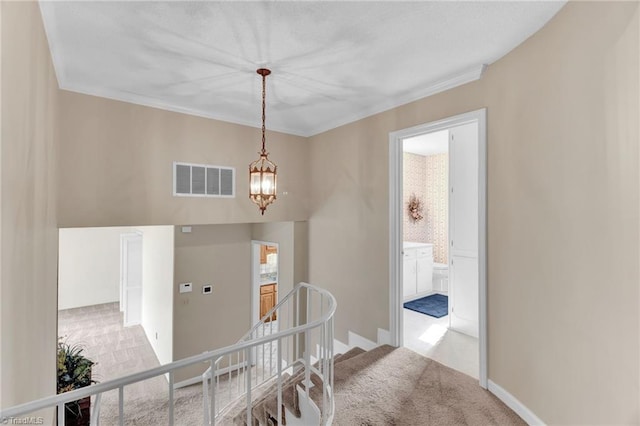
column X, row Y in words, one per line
column 263, row 172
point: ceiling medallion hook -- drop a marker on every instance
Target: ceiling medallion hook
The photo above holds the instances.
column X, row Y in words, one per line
column 262, row 172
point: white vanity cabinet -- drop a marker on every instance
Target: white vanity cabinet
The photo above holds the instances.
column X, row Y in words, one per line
column 417, row 270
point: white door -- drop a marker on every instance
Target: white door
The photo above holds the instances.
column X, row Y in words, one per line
column 463, row 229
column 131, row 278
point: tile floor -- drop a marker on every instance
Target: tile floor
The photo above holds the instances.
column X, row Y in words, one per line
column 431, row 337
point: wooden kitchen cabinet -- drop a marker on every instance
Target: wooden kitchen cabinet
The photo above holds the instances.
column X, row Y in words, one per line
column 264, row 251
column 268, row 299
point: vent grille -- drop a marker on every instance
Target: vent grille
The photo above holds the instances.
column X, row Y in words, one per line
column 199, row 180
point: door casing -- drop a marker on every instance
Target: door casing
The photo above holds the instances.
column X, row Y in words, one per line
column 395, row 225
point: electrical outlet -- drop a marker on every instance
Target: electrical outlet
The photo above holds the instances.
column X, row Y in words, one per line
column 207, row 289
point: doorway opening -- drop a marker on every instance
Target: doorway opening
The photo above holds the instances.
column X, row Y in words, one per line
column 115, row 305
column 438, row 241
column 264, row 288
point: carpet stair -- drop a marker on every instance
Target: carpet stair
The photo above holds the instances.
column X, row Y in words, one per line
column 390, row 385
column 415, row 390
column 265, row 404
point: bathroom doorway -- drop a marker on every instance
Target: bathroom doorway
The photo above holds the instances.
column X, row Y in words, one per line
column 437, row 241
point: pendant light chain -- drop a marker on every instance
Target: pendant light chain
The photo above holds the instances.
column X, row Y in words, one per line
column 264, row 107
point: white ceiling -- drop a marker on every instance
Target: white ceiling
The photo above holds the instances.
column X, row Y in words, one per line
column 332, row 62
column 427, row 144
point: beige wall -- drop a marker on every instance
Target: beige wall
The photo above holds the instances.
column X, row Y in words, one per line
column 29, row 237
column 562, row 215
column 562, row 199
column 116, row 164
column 301, row 252
column 219, row 255
column 89, row 266
column 157, row 289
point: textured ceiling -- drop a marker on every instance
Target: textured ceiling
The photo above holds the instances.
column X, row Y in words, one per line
column 332, row 62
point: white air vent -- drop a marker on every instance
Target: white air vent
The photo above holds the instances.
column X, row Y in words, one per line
column 200, row 180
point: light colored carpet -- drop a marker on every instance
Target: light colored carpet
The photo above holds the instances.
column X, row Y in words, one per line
column 385, row 386
column 396, row 386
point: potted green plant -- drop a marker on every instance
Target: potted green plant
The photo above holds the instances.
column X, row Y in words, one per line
column 74, row 372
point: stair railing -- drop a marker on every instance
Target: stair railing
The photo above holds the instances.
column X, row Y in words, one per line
column 300, row 322
column 303, row 318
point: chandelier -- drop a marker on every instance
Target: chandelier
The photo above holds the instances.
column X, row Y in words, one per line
column 262, row 172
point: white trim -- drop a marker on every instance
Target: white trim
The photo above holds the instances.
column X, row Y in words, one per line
column 396, row 296
column 362, row 342
column 395, row 225
column 188, row 382
column 454, row 79
column 482, row 243
column 442, row 85
column 449, row 82
column 339, row 347
column 513, row 403
column 384, row 337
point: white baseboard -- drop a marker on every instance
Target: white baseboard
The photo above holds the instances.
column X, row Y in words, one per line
column 384, row 337
column 339, row 347
column 513, row 403
column 188, row 382
column 362, row 342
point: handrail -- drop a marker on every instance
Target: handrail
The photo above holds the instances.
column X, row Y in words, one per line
column 218, row 408
column 256, row 326
column 57, row 400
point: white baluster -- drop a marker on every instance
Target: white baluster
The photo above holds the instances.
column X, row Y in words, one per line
column 171, row 398
column 121, row 405
column 61, row 409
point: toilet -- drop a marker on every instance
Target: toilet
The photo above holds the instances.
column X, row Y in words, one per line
column 441, row 277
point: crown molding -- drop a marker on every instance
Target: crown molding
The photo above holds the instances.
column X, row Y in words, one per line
column 137, row 99
column 439, row 86
column 447, row 83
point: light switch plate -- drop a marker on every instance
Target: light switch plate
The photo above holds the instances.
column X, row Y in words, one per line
column 186, row 287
